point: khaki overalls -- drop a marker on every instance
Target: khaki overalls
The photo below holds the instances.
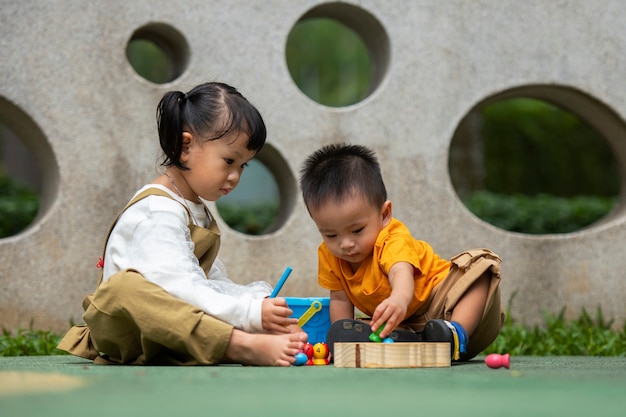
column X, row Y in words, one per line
column 130, row 320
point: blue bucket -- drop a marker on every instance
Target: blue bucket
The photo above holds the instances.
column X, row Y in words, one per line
column 318, row 323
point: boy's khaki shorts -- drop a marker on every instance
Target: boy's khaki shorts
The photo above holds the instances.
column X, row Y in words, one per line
column 466, row 268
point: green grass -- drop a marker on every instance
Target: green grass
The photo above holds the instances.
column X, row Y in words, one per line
column 29, row 342
column 557, row 336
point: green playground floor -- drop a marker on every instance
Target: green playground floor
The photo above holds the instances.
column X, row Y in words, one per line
column 533, row 386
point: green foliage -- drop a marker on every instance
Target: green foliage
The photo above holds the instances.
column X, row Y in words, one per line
column 18, row 206
column 539, row 214
column 328, row 61
column 248, row 219
column 558, row 337
column 149, row 60
column 532, row 147
column 29, row 342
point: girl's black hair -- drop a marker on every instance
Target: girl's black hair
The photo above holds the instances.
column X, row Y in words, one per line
column 338, row 171
column 209, row 111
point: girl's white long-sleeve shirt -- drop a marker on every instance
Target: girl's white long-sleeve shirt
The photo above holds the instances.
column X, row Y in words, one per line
column 152, row 236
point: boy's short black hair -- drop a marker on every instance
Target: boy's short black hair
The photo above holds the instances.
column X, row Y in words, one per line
column 340, row 170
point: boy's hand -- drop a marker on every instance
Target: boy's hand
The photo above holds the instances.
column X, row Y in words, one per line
column 393, row 309
column 390, row 312
column 276, row 316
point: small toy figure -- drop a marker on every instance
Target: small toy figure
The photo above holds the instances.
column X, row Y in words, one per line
column 308, row 350
column 375, row 335
column 495, row 361
column 305, row 356
column 301, row 359
column 320, row 354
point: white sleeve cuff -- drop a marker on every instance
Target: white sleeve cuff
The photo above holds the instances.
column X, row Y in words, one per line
column 255, row 324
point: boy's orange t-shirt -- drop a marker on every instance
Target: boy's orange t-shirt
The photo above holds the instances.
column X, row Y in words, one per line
column 369, row 285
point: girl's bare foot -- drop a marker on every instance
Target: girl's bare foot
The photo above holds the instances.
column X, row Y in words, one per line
column 264, row 349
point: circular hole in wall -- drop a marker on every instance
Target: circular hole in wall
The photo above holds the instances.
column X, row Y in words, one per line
column 337, row 54
column 28, row 170
column 264, row 198
column 158, row 52
column 540, row 160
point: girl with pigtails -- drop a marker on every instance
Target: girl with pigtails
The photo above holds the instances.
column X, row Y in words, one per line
column 163, row 296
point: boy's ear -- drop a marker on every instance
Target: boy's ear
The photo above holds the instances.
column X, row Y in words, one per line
column 385, row 212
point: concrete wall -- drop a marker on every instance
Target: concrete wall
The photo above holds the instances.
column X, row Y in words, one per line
column 67, row 89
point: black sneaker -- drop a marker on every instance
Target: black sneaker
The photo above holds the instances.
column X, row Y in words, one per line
column 348, row 330
column 444, row 331
column 400, row 335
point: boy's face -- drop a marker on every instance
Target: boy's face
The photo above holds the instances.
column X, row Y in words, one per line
column 350, row 227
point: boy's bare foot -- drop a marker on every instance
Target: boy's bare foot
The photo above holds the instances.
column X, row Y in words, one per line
column 264, row 349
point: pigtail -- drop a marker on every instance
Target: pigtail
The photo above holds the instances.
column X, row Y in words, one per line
column 170, row 123
column 209, row 111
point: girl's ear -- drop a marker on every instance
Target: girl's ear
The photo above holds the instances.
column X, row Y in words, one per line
column 187, row 138
column 385, row 212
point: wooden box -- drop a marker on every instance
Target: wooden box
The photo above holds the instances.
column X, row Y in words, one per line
column 392, row 355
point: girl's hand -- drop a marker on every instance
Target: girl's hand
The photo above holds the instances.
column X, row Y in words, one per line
column 276, row 316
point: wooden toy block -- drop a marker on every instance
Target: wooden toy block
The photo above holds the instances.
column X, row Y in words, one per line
column 392, row 355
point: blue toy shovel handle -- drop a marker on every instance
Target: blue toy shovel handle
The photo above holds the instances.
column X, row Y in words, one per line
column 281, row 282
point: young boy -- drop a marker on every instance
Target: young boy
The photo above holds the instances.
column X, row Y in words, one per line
column 370, row 261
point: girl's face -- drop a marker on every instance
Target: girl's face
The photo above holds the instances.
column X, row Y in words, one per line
column 350, row 227
column 215, row 167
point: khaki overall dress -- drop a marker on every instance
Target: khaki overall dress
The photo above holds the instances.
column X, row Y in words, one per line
column 130, row 320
